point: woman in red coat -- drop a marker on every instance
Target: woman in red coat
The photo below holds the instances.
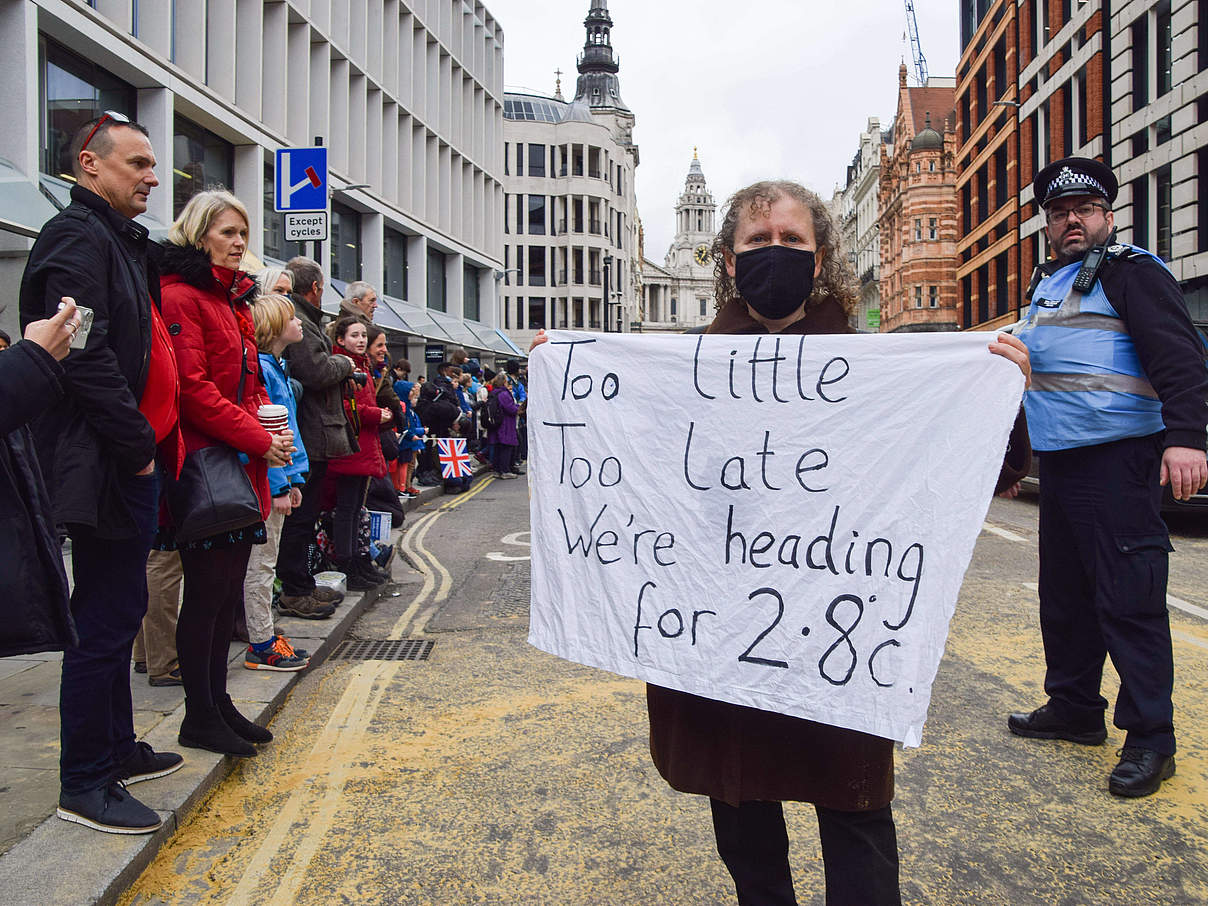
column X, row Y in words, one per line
column 206, row 305
column 350, row 474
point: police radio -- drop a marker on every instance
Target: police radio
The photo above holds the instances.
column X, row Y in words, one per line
column 1090, row 265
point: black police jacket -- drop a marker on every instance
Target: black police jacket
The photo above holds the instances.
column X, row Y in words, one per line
column 96, row 436
column 33, row 584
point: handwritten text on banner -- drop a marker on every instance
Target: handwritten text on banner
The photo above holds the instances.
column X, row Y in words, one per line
column 779, row 522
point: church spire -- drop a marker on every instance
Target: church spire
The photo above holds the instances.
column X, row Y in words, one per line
column 598, row 65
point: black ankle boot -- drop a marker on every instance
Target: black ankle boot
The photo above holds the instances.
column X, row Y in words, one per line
column 204, row 728
column 245, row 728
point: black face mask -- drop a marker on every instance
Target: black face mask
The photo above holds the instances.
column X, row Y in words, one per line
column 774, row 280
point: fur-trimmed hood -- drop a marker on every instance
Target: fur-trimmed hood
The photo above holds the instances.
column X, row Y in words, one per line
column 192, row 265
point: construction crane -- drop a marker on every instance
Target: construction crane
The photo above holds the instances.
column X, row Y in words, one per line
column 916, row 48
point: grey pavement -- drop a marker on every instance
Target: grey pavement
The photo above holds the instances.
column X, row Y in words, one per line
column 46, row 860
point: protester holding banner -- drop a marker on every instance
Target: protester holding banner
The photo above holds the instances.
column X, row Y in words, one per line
column 780, row 272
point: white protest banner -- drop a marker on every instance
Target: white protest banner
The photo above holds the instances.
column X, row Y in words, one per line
column 778, row 522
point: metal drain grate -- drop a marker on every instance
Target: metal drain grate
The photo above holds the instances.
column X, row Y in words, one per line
column 383, row 650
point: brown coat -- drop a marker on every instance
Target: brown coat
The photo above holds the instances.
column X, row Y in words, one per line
column 736, row 754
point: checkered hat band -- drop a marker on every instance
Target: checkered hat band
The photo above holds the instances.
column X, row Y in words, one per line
column 1067, row 178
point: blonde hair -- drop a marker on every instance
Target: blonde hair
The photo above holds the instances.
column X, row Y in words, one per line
column 272, row 313
column 267, row 278
column 195, row 220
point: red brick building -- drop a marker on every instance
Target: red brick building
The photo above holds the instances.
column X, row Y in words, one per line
column 918, row 211
column 1030, row 89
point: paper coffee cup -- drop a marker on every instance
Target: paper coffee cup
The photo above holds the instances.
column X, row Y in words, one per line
column 273, row 418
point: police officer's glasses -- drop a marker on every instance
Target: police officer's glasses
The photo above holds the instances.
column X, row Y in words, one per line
column 1082, row 212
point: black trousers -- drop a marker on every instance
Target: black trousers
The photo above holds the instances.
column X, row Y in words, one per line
column 297, row 533
column 1103, row 567
column 212, row 596
column 859, row 854
column 346, row 518
column 108, row 603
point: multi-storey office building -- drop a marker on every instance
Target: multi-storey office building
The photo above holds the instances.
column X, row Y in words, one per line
column 679, row 294
column 407, row 95
column 988, row 165
column 571, row 257
column 1159, row 135
column 858, row 215
column 918, row 210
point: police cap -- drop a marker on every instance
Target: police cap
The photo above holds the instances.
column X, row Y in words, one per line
column 1074, row 176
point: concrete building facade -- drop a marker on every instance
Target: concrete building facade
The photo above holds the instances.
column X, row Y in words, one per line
column 679, row 294
column 918, row 224
column 857, row 209
column 407, row 96
column 1159, row 135
column 571, row 258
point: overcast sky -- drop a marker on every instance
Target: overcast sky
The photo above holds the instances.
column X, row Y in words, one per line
column 765, row 88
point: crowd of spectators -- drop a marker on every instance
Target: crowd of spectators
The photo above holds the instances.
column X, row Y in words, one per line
column 178, row 370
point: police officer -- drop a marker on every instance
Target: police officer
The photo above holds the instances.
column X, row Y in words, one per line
column 1117, row 408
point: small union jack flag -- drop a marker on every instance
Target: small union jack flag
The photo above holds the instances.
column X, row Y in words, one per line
column 454, row 460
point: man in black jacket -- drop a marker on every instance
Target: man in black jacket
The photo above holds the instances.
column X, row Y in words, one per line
column 97, row 450
column 325, row 434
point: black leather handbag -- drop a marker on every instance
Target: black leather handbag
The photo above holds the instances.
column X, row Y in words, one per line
column 213, row 493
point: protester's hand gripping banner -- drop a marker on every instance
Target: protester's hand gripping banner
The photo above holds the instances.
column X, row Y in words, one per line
column 778, row 522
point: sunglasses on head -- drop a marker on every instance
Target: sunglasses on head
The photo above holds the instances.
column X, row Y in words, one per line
column 111, row 116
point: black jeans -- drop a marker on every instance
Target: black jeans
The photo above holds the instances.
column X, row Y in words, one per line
column 859, row 853
column 213, row 594
column 297, row 534
column 346, row 519
column 108, row 603
column 1103, row 568
column 502, row 457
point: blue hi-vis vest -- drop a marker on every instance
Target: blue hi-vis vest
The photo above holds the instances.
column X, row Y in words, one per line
column 1088, row 386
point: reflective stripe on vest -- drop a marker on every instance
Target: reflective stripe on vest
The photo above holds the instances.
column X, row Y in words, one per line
column 1088, row 386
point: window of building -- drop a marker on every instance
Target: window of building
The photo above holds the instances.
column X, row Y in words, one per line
column 471, row 299
column 933, row 229
column 200, row 160
column 536, row 313
column 1001, row 302
column 1046, row 136
column 577, row 260
column 438, row 283
column 674, row 304
column 519, row 214
column 394, row 264
column 73, row 91
column 983, row 294
column 930, row 166
column 966, row 121
column 704, row 306
column 933, row 296
column 576, row 160
column 507, row 158
column 918, row 229
column 1140, row 211
column 983, row 193
column 967, row 302
column 275, row 245
column 536, row 215
column 1000, row 68
column 520, row 314
column 577, row 311
column 918, row 296
column 1162, row 185
column 1044, row 23
column 519, row 158
column 345, row 243
column 536, row 265
column 1140, row 63
column 1162, row 39
column 979, row 86
column 1067, row 105
column 1000, row 176
column 536, row 160
column 1161, row 130
column 1080, row 86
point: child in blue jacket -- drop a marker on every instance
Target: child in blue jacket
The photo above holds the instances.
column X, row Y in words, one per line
column 277, row 326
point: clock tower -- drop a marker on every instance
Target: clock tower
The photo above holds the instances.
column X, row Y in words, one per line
column 695, row 227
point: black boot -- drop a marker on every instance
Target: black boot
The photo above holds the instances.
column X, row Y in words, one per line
column 250, row 731
column 204, row 728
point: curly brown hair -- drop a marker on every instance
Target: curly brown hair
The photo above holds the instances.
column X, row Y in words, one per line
column 835, row 281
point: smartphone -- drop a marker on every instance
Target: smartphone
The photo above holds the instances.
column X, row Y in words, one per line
column 81, row 334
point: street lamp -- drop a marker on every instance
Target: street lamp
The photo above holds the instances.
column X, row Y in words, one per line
column 606, row 290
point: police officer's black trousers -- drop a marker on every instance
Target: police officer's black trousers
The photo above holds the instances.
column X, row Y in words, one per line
column 1103, row 566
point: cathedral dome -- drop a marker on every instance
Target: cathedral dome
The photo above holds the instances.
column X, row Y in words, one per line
column 578, row 111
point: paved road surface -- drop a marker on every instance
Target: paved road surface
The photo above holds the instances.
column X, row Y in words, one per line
column 493, row 773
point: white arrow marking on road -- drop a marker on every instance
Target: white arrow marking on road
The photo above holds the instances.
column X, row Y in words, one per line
column 1002, row 533
column 513, row 539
